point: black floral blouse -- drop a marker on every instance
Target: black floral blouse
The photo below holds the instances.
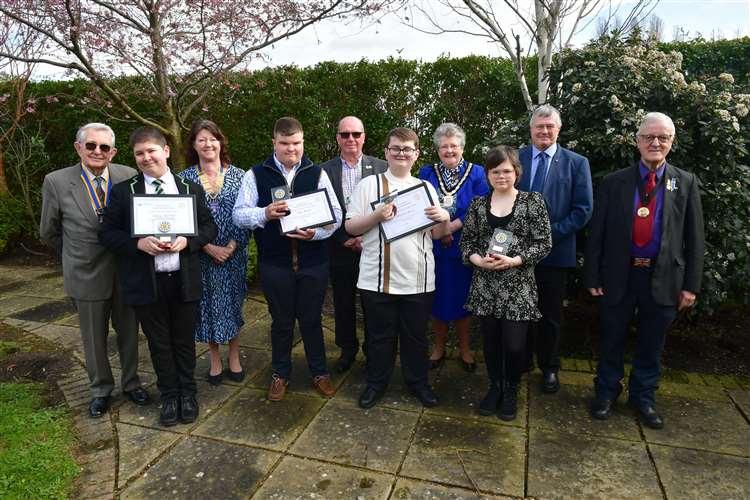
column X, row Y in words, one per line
column 511, row 293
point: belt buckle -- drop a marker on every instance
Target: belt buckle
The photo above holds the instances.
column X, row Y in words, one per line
column 641, row 262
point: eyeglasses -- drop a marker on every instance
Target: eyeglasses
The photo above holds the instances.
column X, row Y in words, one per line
column 407, row 151
column 648, row 139
column 345, row 135
column 91, row 146
column 448, row 147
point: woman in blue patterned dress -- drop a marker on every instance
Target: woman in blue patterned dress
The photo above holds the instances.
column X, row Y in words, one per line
column 457, row 182
column 223, row 261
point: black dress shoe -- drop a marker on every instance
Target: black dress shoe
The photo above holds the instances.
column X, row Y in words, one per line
column 169, row 415
column 601, row 408
column 98, row 406
column 550, row 383
column 426, row 396
column 188, row 409
column 139, row 396
column 345, row 362
column 369, row 397
column 491, row 400
column 650, row 418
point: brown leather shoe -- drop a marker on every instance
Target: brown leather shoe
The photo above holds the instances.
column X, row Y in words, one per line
column 278, row 388
column 323, row 385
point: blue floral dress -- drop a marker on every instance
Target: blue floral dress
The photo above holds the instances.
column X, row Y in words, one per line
column 224, row 285
column 452, row 277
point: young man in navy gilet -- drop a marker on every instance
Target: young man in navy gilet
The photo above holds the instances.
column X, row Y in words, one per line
column 293, row 268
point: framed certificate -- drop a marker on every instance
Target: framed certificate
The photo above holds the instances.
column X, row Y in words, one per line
column 410, row 204
column 307, row 211
column 163, row 215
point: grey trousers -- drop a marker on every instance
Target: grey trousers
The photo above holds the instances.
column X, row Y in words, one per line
column 94, row 318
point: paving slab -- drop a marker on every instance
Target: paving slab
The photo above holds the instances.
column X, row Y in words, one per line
column 250, row 419
column 569, row 410
column 375, row 439
column 469, row 454
column 253, row 362
column 407, row 489
column 139, row 446
column 692, row 391
column 209, row 399
column 200, row 468
column 50, row 288
column 297, row 477
column 300, row 381
column 688, row 474
column 396, row 395
column 22, row 324
column 71, row 320
column 742, row 400
column 68, row 336
column 257, row 334
column 10, row 274
column 12, row 304
column 703, row 425
column 580, row 466
column 47, row 312
column 252, row 310
column 460, row 393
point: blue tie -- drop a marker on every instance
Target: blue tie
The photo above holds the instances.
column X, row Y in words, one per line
column 541, row 173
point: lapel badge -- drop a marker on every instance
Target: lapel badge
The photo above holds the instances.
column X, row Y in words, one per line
column 672, row 184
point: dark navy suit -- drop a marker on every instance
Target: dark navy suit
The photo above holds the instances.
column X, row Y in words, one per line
column 568, row 195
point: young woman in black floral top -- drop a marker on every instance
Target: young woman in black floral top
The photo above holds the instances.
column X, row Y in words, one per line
column 503, row 290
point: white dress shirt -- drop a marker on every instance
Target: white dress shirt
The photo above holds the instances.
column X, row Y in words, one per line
column 165, row 262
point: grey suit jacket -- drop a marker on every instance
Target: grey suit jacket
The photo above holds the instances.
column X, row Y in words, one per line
column 70, row 225
column 370, row 165
column 679, row 265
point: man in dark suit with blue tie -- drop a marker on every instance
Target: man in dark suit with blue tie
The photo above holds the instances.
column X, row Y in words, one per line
column 644, row 252
column 564, row 179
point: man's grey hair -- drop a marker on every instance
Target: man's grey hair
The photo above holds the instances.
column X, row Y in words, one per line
column 351, row 117
column 546, row 111
column 449, row 130
column 83, row 131
column 657, row 117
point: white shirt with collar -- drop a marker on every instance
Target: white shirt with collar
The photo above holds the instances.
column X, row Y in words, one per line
column 166, row 262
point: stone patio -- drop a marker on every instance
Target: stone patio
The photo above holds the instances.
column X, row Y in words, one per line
column 243, row 446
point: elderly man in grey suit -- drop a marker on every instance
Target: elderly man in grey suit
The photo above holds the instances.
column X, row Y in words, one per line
column 73, row 199
column 345, row 171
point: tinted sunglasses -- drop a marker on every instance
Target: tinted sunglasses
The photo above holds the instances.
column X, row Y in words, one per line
column 91, row 146
column 345, row 135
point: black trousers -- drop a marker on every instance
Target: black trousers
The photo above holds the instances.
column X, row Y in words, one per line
column 392, row 319
column 550, row 282
column 344, row 273
column 504, row 342
column 169, row 326
column 295, row 296
column 652, row 322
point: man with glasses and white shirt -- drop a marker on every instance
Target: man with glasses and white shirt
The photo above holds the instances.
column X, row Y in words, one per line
column 396, row 279
column 73, row 200
column 345, row 171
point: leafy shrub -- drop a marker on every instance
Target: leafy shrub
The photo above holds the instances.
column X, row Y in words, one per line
column 13, row 221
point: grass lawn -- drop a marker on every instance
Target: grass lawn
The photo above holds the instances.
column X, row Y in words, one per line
column 36, row 438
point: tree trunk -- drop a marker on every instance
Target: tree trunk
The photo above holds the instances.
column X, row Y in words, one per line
column 3, row 180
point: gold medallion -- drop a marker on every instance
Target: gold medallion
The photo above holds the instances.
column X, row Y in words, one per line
column 165, row 226
column 501, row 237
column 643, row 212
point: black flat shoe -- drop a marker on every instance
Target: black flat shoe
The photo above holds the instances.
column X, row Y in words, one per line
column 214, row 379
column 169, row 414
column 601, row 409
column 345, row 362
column 426, row 396
column 550, row 383
column 469, row 366
column 648, row 416
column 236, row 376
column 188, row 409
column 437, row 363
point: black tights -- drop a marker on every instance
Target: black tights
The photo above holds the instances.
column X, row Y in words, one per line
column 504, row 348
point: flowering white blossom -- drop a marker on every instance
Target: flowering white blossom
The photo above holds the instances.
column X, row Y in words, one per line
column 724, row 115
column 726, row 78
column 741, row 110
column 577, row 87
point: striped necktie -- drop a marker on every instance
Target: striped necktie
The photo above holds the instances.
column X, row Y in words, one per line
column 99, row 190
column 157, row 186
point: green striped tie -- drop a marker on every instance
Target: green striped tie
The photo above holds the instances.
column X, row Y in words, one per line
column 157, row 186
